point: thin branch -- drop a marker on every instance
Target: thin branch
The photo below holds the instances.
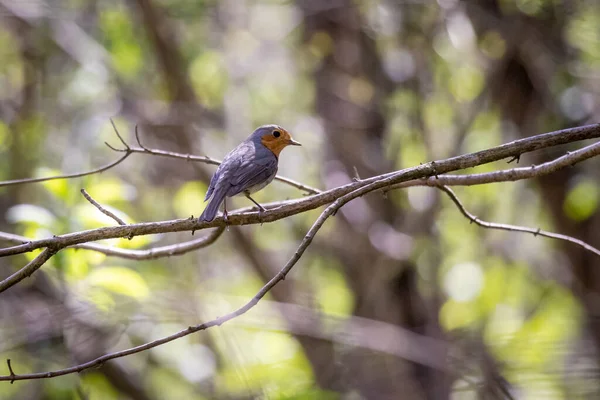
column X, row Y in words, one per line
column 509, row 175
column 128, row 150
column 203, row 159
column 12, row 373
column 282, row 210
column 68, row 176
column 27, row 270
column 514, row 228
column 118, row 134
column 102, row 209
column 147, row 254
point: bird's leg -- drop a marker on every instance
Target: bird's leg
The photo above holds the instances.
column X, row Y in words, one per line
column 261, row 209
column 225, row 217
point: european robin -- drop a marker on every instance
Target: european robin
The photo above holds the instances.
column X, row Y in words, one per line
column 249, row 167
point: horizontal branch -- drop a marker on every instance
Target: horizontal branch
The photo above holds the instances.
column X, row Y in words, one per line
column 133, row 254
column 203, row 159
column 68, row 176
column 509, row 175
column 297, row 206
column 128, row 150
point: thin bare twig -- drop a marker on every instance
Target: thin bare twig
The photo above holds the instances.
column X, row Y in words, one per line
column 514, row 228
column 142, row 149
column 132, row 254
column 126, row 150
column 102, row 209
column 12, row 373
column 514, row 174
column 29, row 269
column 68, row 176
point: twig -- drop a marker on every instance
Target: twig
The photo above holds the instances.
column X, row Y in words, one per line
column 515, row 228
column 158, row 252
column 68, row 176
column 203, row 159
column 27, row 270
column 128, row 150
column 102, row 209
column 508, row 175
column 12, row 373
column 132, row 254
column 118, row 134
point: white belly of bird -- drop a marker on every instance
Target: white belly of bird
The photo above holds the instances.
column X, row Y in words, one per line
column 256, row 188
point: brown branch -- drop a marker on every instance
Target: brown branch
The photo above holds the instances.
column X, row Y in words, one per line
column 147, row 254
column 509, row 175
column 102, row 209
column 442, row 180
column 68, row 176
column 203, row 159
column 128, row 150
column 12, row 373
column 282, row 210
column 29, row 269
column 514, row 228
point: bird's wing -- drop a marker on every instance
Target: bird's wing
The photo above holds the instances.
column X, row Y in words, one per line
column 230, row 163
column 252, row 169
column 213, row 182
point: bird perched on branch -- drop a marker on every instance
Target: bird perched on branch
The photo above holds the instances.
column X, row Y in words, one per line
column 249, row 167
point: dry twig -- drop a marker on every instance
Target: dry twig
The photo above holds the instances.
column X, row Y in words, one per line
column 102, row 209
column 514, row 228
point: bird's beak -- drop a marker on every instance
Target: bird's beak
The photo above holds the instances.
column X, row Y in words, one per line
column 294, row 143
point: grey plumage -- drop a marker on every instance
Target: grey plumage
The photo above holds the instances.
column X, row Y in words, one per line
column 246, row 169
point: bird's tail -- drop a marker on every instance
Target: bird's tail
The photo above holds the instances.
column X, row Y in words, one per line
column 210, row 211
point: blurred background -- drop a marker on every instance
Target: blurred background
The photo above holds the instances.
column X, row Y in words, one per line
column 398, row 296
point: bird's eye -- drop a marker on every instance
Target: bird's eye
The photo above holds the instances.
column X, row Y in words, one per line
column 276, row 133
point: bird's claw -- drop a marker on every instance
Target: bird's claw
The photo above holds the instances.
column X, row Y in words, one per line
column 261, row 210
column 226, row 219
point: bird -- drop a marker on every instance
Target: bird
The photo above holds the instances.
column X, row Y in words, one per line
column 246, row 169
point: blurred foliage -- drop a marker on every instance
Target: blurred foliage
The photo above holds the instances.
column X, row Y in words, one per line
column 248, row 63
